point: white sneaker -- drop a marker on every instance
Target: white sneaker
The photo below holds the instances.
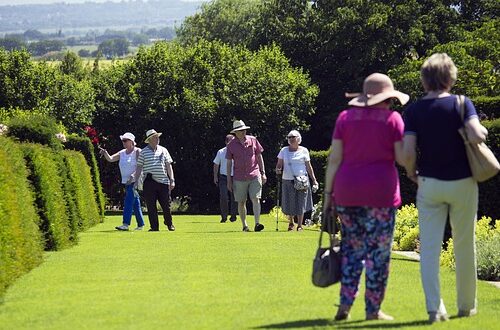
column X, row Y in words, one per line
column 139, row 228
column 122, row 228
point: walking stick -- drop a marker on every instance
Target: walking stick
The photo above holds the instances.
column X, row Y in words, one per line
column 278, row 200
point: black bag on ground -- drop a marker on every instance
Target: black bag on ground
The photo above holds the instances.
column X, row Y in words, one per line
column 327, row 261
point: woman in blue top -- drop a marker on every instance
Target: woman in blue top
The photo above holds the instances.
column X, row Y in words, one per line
column 445, row 183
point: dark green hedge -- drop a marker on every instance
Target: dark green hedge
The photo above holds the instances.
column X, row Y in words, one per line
column 21, row 243
column 84, row 145
column 36, row 128
column 50, row 198
column 488, row 106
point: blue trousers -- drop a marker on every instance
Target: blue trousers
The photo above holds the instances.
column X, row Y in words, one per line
column 132, row 205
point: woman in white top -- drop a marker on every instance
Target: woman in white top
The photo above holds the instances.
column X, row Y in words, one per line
column 127, row 159
column 294, row 161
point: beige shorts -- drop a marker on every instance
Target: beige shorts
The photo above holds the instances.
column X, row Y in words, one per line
column 251, row 187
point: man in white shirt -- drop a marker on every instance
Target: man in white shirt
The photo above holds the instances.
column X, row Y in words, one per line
column 220, row 179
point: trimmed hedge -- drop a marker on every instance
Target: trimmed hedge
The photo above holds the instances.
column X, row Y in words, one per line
column 50, row 198
column 82, row 189
column 488, row 106
column 35, row 128
column 84, row 145
column 21, row 244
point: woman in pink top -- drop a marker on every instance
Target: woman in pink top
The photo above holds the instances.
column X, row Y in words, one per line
column 362, row 181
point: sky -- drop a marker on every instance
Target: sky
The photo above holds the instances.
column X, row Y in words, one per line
column 24, row 2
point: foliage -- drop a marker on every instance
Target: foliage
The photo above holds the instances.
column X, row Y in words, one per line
column 278, row 212
column 489, row 194
column 34, row 127
column 476, row 56
column 82, row 189
column 487, row 246
column 48, row 184
column 232, row 21
column 319, row 162
column 114, row 47
column 488, row 259
column 203, row 87
column 39, row 48
column 21, row 244
column 37, row 86
column 406, row 229
column 488, row 107
column 83, row 145
column 179, row 204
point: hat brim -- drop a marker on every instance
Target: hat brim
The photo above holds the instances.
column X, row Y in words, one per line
column 126, row 138
column 365, row 101
column 242, row 128
column 149, row 137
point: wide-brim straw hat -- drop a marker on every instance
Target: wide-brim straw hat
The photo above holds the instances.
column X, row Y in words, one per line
column 150, row 133
column 377, row 88
column 239, row 125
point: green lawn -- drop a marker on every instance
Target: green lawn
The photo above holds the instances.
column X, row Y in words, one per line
column 209, row 275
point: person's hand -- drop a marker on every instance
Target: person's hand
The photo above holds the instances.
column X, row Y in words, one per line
column 315, row 187
column 216, row 180
column 171, row 185
column 102, row 151
column 230, row 185
column 264, row 178
column 131, row 179
column 278, row 171
column 413, row 177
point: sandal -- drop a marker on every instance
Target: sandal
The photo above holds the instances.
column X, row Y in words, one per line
column 379, row 316
column 299, row 228
column 290, row 226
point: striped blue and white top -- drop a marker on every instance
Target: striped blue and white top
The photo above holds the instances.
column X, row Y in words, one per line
column 155, row 162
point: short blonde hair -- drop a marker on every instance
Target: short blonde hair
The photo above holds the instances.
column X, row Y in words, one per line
column 438, row 72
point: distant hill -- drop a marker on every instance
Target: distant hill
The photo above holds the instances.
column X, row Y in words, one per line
column 95, row 15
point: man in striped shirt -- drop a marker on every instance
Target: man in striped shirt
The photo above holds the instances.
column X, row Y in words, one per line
column 156, row 163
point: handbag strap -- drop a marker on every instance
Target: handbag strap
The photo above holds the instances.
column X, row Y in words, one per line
column 331, row 226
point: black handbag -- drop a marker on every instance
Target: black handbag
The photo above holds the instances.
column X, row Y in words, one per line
column 327, row 262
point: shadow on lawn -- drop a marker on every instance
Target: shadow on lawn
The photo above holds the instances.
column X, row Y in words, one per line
column 341, row 325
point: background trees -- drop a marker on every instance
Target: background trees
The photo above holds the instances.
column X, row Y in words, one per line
column 192, row 94
column 339, row 42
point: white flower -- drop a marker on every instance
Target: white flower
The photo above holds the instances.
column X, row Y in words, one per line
column 61, row 137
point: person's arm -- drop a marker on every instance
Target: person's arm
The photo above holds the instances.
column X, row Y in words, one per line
column 262, row 170
column 334, row 161
column 410, row 156
column 114, row 158
column 279, row 166
column 476, row 133
column 399, row 153
column 216, row 173
column 137, row 174
column 170, row 173
column 228, row 174
column 310, row 171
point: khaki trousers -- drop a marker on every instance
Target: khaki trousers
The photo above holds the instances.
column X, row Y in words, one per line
column 436, row 199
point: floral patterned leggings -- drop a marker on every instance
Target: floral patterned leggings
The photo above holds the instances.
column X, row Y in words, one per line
column 367, row 234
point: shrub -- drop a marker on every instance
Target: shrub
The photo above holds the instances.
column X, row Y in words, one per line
column 487, row 105
column 84, row 145
column 319, row 161
column 36, row 128
column 489, row 191
column 406, row 228
column 48, row 184
column 81, row 188
column 488, row 259
column 487, row 247
column 21, row 243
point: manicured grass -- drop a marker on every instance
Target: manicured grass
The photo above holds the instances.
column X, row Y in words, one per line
column 208, row 275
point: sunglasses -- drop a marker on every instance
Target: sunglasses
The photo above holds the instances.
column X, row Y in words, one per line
column 291, row 137
column 125, row 140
